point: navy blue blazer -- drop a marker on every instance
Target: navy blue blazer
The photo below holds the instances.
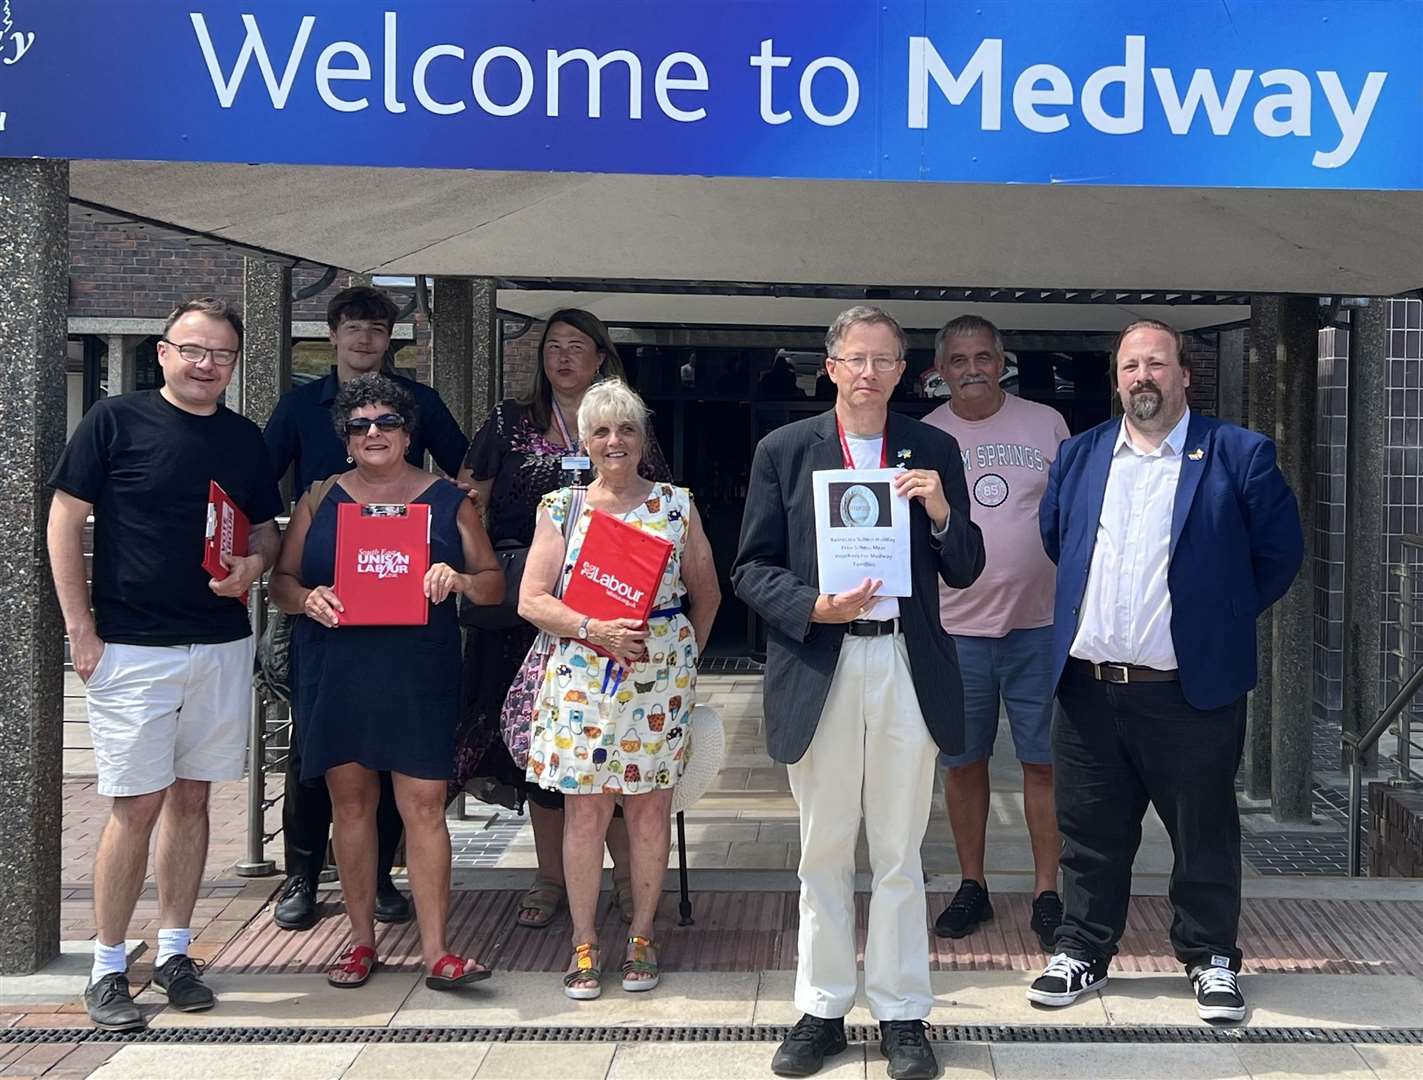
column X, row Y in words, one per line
column 1236, row 544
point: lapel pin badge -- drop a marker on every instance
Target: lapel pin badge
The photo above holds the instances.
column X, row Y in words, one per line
column 1196, row 454
column 904, row 456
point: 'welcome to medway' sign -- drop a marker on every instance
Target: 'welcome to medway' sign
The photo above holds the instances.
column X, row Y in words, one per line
column 1256, row 93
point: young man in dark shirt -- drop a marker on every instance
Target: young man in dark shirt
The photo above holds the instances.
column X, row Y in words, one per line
column 300, row 436
column 166, row 654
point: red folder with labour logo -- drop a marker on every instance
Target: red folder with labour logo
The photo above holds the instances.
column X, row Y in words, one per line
column 226, row 534
column 618, row 572
column 382, row 553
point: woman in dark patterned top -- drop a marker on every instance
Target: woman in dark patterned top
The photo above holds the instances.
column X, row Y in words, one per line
column 516, row 458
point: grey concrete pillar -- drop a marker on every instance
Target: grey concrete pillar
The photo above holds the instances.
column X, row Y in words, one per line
column 488, row 352
column 1365, row 467
column 265, row 371
column 1264, row 321
column 452, row 326
column 122, row 363
column 34, row 249
column 1296, row 345
column 465, row 347
column 487, row 375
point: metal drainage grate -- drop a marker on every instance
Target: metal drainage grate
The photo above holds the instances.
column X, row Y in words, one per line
column 764, row 1033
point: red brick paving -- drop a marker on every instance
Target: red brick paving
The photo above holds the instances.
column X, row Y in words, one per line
column 756, row 931
column 224, row 898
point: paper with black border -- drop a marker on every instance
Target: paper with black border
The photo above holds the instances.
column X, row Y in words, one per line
column 863, row 532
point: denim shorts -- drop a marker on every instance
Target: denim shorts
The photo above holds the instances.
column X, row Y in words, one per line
column 1015, row 671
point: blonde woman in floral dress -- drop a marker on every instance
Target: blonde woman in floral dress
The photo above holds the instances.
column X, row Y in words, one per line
column 596, row 738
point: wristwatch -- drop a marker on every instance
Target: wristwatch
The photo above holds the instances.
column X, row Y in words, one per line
column 583, row 629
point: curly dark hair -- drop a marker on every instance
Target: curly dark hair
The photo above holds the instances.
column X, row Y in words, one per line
column 374, row 389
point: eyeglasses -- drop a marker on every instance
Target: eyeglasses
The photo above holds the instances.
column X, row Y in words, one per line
column 856, row 364
column 195, row 354
column 361, row 425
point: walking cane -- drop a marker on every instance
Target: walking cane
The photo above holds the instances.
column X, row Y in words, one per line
column 684, row 909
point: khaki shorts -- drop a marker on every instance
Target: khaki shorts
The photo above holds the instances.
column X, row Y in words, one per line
column 158, row 713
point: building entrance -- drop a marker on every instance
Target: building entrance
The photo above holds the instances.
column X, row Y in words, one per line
column 713, row 400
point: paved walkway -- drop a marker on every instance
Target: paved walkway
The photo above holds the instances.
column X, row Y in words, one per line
column 1335, row 965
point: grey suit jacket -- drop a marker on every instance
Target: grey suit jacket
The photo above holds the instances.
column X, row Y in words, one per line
column 776, row 574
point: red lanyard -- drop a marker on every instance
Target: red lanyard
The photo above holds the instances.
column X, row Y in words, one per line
column 845, row 446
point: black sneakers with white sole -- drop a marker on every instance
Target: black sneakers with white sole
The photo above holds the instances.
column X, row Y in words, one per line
column 1218, row 995
column 1065, row 978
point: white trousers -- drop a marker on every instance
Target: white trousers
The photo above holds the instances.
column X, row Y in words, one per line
column 871, row 751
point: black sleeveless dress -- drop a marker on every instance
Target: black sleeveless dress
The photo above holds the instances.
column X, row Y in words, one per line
column 385, row 697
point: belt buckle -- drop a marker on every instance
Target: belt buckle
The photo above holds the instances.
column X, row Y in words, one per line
column 1105, row 673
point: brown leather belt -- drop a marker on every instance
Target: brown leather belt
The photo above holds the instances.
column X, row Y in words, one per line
column 1124, row 673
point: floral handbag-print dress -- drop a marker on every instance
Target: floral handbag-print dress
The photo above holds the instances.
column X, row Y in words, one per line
column 628, row 738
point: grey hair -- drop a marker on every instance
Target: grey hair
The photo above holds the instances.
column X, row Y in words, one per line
column 855, row 316
column 611, row 402
column 967, row 324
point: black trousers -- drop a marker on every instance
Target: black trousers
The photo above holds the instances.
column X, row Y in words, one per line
column 1117, row 748
column 306, row 821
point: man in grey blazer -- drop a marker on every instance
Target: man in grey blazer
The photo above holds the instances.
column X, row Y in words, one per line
column 861, row 691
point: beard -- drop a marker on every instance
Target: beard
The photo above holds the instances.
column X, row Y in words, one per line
column 1145, row 402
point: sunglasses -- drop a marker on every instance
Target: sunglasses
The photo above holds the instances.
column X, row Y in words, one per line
column 361, row 425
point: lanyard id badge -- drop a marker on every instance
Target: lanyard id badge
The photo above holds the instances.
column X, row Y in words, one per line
column 573, row 461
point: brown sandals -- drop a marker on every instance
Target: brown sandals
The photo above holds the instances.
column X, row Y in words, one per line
column 540, row 904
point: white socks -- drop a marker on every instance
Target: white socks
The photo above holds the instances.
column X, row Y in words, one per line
column 172, row 943
column 107, row 960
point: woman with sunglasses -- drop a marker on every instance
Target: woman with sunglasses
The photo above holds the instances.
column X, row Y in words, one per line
column 349, row 732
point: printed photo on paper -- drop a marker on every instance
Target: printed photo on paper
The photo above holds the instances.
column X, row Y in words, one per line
column 861, row 530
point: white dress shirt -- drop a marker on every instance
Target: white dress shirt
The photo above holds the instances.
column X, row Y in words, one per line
column 865, row 451
column 1126, row 609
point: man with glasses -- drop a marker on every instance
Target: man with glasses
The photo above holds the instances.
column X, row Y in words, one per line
column 300, row 436
column 166, row 654
column 861, row 691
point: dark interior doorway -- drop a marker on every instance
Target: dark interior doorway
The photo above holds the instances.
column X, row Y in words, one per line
column 712, row 404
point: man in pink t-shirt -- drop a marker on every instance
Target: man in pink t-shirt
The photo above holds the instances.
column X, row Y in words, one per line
column 1002, row 623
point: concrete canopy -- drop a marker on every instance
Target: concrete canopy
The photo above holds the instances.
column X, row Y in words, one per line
column 750, row 312
column 601, row 228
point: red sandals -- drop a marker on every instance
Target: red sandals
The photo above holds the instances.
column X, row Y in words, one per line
column 451, row 972
column 359, row 960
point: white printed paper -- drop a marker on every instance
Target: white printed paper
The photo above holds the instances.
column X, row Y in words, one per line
column 861, row 530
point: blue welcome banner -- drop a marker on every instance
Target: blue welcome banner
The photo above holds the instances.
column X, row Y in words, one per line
column 1201, row 93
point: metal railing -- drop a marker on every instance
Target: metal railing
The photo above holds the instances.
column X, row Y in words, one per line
column 259, row 760
column 1398, row 712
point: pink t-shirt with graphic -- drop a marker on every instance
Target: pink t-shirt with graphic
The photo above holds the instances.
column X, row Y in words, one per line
column 1005, row 461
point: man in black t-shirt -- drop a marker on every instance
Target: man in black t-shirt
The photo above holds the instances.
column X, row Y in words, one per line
column 300, row 435
column 166, row 654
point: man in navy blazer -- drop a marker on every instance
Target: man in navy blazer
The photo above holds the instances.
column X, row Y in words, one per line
column 1172, row 532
